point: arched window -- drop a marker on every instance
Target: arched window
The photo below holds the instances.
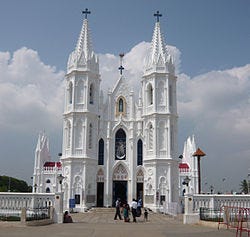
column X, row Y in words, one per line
column 47, row 190
column 48, row 181
column 120, row 145
column 120, row 109
column 101, row 152
column 70, row 93
column 150, row 94
column 139, row 152
column 120, row 106
column 90, row 135
column 91, row 94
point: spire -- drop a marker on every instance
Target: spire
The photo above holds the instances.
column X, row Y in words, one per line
column 84, row 44
column 83, row 57
column 158, row 57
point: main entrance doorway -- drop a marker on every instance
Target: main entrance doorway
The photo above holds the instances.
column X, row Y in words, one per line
column 119, row 191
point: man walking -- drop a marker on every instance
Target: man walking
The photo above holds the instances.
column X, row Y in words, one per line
column 133, row 209
column 117, row 209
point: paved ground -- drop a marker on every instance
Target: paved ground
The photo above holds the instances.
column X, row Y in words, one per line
column 102, row 224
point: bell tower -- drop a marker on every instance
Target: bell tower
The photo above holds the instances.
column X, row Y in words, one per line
column 80, row 121
column 159, row 111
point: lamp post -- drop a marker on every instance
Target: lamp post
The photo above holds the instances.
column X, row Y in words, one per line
column 199, row 153
column 186, row 182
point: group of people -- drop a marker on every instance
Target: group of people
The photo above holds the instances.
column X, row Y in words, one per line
column 125, row 208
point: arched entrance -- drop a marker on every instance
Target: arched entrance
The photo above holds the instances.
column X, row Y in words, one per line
column 120, row 184
column 100, row 188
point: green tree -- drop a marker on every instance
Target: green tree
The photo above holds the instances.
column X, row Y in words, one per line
column 244, row 186
column 13, row 185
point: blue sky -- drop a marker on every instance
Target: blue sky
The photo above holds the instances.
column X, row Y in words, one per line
column 212, row 40
column 210, row 34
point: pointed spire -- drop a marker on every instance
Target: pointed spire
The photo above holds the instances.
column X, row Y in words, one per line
column 158, row 58
column 83, row 57
column 84, row 44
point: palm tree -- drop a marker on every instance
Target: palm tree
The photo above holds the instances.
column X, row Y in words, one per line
column 244, row 186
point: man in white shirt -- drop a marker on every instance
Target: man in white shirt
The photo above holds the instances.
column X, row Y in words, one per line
column 133, row 209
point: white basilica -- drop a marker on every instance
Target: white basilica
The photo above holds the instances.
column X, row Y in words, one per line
column 120, row 147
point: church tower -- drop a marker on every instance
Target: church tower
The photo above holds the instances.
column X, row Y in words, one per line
column 159, row 112
column 80, row 121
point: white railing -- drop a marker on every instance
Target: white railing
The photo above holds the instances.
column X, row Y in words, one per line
column 17, row 201
column 215, row 201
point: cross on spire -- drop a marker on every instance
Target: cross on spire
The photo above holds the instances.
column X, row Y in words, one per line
column 121, row 67
column 86, row 12
column 157, row 15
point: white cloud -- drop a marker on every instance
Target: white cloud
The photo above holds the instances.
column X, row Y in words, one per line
column 29, row 92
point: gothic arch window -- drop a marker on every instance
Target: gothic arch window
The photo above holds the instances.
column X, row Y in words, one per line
column 120, row 145
column 121, row 106
column 139, row 152
column 90, row 135
column 47, row 190
column 149, row 94
column 101, row 152
column 91, row 94
column 68, row 134
column 150, row 136
column 79, row 92
column 70, row 93
column 78, row 134
column 48, row 181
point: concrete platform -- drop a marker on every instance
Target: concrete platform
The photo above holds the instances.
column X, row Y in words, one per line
column 102, row 224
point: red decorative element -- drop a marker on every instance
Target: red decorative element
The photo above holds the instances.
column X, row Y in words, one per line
column 52, row 164
column 183, row 167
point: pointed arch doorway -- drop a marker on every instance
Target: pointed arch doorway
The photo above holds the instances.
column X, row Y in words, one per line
column 120, row 184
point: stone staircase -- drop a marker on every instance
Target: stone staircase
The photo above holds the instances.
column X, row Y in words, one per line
column 102, row 210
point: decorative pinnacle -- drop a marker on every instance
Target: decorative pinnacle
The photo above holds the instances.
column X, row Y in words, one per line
column 157, row 15
column 121, row 67
column 86, row 12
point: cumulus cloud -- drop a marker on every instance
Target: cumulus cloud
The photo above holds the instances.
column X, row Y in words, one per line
column 30, row 91
column 216, row 107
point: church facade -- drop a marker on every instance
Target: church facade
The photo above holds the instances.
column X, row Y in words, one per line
column 118, row 148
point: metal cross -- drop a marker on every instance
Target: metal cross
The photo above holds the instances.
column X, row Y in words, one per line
column 86, row 12
column 158, row 15
column 121, row 68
